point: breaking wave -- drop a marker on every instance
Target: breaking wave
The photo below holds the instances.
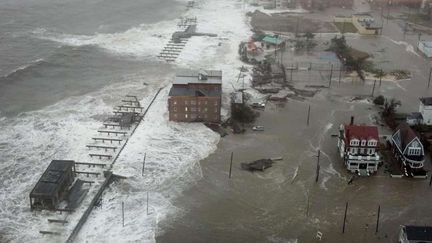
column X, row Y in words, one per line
column 145, row 40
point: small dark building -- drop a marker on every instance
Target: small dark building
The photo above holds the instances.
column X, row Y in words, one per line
column 415, row 234
column 53, row 185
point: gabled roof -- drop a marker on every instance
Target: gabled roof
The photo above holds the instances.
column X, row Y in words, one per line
column 426, row 100
column 418, row 233
column 361, row 132
column 406, row 135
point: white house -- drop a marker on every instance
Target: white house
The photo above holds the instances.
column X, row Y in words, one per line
column 415, row 234
column 426, row 48
column 426, row 110
column 358, row 146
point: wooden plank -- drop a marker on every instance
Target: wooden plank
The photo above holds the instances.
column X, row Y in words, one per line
column 57, row 221
column 113, row 132
column 131, row 107
column 46, row 232
column 88, row 163
column 100, row 156
column 108, row 139
column 102, row 147
column 88, row 173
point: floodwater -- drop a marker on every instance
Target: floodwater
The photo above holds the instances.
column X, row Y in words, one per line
column 284, row 203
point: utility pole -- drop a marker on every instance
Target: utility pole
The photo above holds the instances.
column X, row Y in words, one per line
column 308, row 116
column 232, row 155
column 430, row 73
column 378, row 217
column 340, row 73
column 318, row 166
column 373, row 88
column 345, row 216
column 123, row 213
column 331, row 75
column 381, row 74
column 142, row 173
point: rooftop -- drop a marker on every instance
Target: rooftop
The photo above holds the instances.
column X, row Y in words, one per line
column 418, row 233
column 198, row 77
column 426, row 100
column 427, row 44
column 191, row 91
column 50, row 179
column 275, row 40
column 361, row 132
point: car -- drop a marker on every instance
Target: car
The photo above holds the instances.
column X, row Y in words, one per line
column 258, row 128
column 258, row 105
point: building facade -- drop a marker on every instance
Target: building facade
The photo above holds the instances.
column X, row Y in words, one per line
column 323, row 4
column 425, row 109
column 408, row 149
column 196, row 97
column 358, row 147
column 426, row 48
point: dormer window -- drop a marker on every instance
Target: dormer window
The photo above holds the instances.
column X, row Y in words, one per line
column 354, row 142
column 363, row 143
column 372, row 143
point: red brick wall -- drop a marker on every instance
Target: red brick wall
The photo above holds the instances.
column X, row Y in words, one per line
column 194, row 109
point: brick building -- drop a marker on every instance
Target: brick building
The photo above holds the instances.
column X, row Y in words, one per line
column 195, row 96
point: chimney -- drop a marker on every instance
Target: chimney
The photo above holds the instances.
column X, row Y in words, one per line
column 352, row 120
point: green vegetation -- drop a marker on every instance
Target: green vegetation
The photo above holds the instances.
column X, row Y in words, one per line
column 305, row 41
column 345, row 27
column 379, row 100
column 352, row 58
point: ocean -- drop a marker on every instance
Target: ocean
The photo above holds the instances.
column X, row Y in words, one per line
column 65, row 65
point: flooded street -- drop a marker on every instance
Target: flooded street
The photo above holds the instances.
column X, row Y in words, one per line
column 284, row 203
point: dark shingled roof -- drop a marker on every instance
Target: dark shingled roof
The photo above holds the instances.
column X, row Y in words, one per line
column 419, row 233
column 426, row 100
column 49, row 181
column 406, row 133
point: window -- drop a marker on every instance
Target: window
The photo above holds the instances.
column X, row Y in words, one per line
column 186, row 109
column 371, row 164
column 175, row 102
column 175, row 115
column 353, row 150
column 363, row 143
column 175, row 108
column 193, row 102
column 362, row 150
column 414, row 151
column 215, row 103
column 186, row 116
column 205, row 102
column 186, row 102
column 193, row 109
column 372, row 143
column 354, row 142
column 205, row 109
column 353, row 164
column 216, row 111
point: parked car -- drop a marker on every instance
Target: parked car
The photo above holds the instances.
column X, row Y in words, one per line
column 258, row 128
column 258, row 105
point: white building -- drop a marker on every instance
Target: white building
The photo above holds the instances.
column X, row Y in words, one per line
column 425, row 109
column 426, row 48
column 358, row 146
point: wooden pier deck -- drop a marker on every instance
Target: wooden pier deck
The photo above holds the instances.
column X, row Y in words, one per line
column 108, row 173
